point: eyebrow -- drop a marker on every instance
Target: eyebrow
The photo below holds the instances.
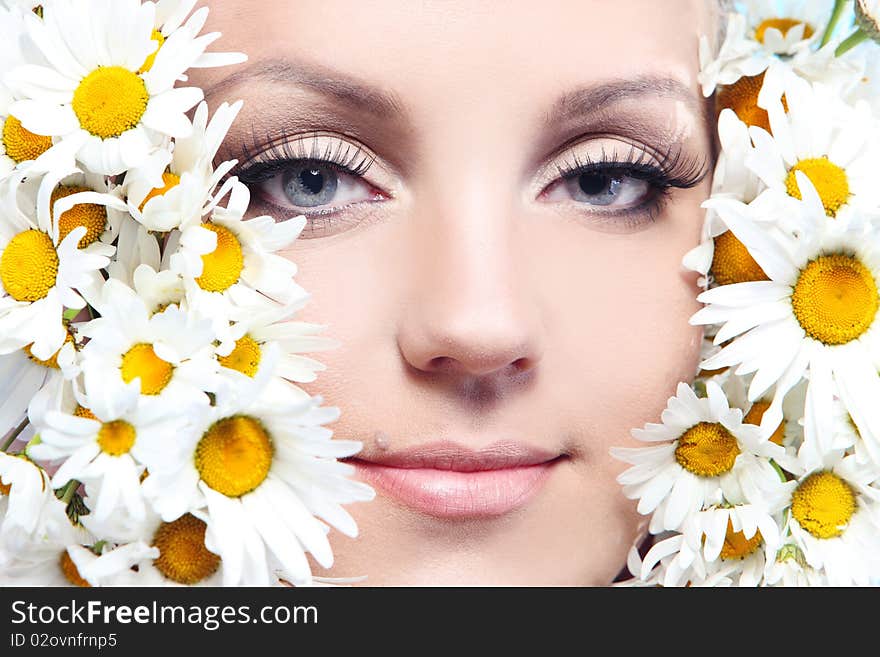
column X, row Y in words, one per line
column 383, row 104
column 329, row 82
column 594, row 98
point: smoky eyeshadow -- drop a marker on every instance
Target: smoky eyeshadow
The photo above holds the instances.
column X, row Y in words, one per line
column 296, row 115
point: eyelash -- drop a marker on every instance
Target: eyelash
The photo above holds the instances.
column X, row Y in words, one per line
column 664, row 171
column 260, row 164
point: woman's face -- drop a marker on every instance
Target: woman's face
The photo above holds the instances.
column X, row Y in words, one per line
column 498, row 196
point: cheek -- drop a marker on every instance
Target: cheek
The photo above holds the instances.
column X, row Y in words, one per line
column 618, row 321
column 354, row 281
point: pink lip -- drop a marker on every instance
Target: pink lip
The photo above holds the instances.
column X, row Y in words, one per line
column 446, row 480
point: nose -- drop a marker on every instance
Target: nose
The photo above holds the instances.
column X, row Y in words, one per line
column 473, row 312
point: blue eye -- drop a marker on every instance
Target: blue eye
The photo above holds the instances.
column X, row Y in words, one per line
column 307, row 186
column 606, row 189
column 310, row 185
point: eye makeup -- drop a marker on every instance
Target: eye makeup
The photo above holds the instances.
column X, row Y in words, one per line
column 607, row 179
column 326, row 177
column 618, row 172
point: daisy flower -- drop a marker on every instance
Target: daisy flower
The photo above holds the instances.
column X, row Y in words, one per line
column 22, row 375
column 756, row 40
column 256, row 321
column 17, row 144
column 61, row 560
column 732, row 542
column 171, row 16
column 170, row 353
column 258, row 451
column 720, row 258
column 104, row 440
column 634, row 566
column 158, row 289
column 815, row 316
column 740, row 538
column 136, row 247
column 671, row 563
column 175, row 187
column 228, row 251
column 734, row 180
column 40, row 274
column 834, row 521
column 24, row 494
column 104, row 569
column 67, row 198
column 702, row 455
column 790, row 432
column 789, row 568
column 96, row 92
column 784, row 27
column 752, row 88
column 53, row 553
column 826, row 437
column 737, row 56
column 833, row 144
column 175, row 554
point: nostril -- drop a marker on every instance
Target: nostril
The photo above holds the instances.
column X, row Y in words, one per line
column 521, row 365
column 439, row 363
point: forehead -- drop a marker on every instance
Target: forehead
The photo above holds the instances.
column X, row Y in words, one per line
column 462, row 51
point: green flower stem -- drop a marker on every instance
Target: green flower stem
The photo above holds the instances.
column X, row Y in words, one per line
column 15, row 434
column 851, row 42
column 836, row 13
column 778, row 470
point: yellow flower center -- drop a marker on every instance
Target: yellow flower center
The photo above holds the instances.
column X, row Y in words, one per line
column 783, row 25
column 183, row 557
column 109, row 101
column 707, row 449
column 4, row 487
column 20, row 143
column 823, row 504
column 756, row 413
column 835, row 299
column 223, row 266
column 829, row 180
column 142, row 362
column 148, row 62
column 68, row 568
column 169, row 180
column 90, row 215
column 52, row 362
column 732, row 262
column 82, row 411
column 116, row 438
column 737, row 546
column 29, row 266
column 234, row 455
column 742, row 98
column 245, row 357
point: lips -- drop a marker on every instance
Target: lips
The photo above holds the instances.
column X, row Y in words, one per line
column 446, row 480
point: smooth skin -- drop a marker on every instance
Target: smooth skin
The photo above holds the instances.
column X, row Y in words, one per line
column 475, row 298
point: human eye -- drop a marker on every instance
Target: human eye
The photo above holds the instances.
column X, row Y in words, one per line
column 616, row 183
column 321, row 176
